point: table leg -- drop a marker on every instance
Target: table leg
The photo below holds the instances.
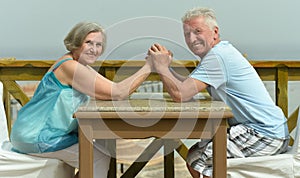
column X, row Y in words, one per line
column 169, row 159
column 182, row 150
column 112, row 173
column 220, row 151
column 85, row 151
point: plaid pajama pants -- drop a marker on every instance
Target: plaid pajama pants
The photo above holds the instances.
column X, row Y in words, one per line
column 241, row 142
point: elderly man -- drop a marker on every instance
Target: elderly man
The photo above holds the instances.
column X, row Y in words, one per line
column 258, row 127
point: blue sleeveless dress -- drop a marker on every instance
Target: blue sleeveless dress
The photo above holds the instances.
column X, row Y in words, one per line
column 46, row 123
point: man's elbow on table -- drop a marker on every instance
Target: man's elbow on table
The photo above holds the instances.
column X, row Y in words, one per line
column 187, row 90
column 180, row 97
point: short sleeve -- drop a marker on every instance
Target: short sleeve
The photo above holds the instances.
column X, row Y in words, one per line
column 210, row 71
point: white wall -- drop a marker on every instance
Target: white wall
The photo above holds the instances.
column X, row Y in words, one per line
column 34, row 29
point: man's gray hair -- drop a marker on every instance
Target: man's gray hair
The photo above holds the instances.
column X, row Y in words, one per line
column 207, row 13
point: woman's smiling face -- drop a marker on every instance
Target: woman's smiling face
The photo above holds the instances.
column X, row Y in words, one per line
column 90, row 49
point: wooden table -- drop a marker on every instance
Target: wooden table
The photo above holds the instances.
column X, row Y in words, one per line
column 152, row 115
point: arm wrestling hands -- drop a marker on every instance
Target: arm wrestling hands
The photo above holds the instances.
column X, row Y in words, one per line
column 180, row 89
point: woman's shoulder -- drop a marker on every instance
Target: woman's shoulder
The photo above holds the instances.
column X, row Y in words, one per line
column 64, row 59
column 64, row 62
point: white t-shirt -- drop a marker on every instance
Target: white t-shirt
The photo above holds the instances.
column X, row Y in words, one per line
column 232, row 79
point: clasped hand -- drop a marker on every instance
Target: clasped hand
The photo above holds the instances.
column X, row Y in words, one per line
column 159, row 57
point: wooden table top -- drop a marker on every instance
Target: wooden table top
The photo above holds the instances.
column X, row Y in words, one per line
column 155, row 103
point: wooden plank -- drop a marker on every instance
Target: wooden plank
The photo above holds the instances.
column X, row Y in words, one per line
column 182, row 150
column 15, row 90
column 7, row 107
column 292, row 123
column 294, row 74
column 168, row 160
column 169, row 146
column 7, row 59
column 12, row 88
column 22, row 73
column 27, row 63
column 112, row 173
column 110, row 73
column 275, row 63
column 266, row 74
column 119, row 63
column 85, row 143
column 218, row 150
column 281, row 85
column 105, row 63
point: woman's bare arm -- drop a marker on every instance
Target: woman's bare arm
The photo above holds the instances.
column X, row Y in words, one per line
column 88, row 81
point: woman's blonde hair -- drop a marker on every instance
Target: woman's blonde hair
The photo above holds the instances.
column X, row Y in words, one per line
column 78, row 33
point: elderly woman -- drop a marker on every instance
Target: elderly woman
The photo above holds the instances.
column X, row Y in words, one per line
column 45, row 125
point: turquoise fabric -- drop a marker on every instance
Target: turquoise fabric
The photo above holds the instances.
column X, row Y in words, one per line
column 231, row 78
column 46, row 122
